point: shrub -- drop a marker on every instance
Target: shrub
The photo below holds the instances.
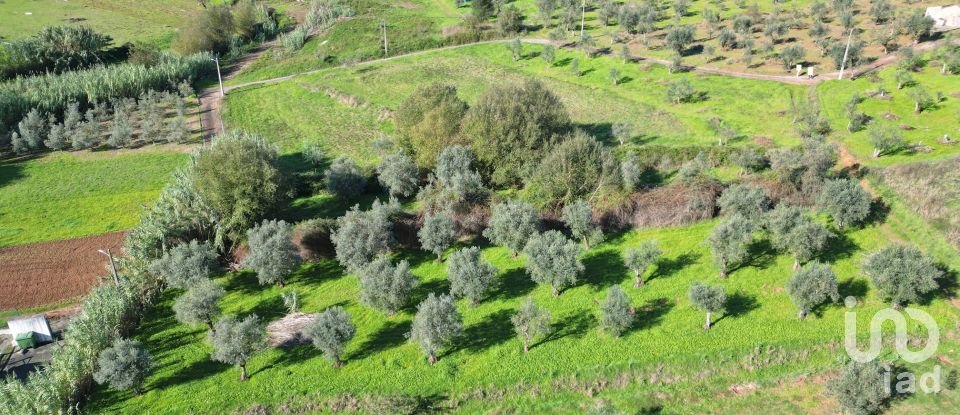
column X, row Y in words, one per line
column 745, row 200
column 579, row 167
column 273, row 256
column 54, row 49
column 470, row 276
column 184, row 264
column 435, row 325
column 862, row 388
column 236, row 341
column 553, row 259
column 429, row 121
column 330, row 331
column 124, row 366
column 631, row 172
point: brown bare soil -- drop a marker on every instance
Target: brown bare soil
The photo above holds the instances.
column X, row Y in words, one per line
column 52, row 272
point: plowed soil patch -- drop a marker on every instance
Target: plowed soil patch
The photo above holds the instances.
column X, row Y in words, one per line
column 51, row 272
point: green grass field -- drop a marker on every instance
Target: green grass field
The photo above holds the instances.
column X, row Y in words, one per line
column 928, row 127
column 318, row 106
column 665, row 360
column 68, row 195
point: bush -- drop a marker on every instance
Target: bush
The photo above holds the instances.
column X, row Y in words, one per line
column 294, row 40
column 124, row 366
column 744, row 200
column 429, row 121
column 54, row 49
column 273, row 256
column 330, row 331
column 862, row 388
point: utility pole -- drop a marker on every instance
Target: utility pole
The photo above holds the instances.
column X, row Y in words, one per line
column 113, row 265
column 583, row 17
column 219, row 78
column 845, row 53
column 386, row 49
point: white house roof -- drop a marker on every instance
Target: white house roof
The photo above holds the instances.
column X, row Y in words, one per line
column 944, row 15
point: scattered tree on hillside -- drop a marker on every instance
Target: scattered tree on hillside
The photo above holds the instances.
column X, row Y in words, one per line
column 184, row 264
column 792, row 55
column 680, row 91
column 745, row 200
column 509, row 20
column 549, row 54
column 437, row 233
column 330, row 331
column 273, row 255
column 902, row 273
column 730, row 242
column 631, row 173
column 640, row 258
column 845, row 201
column 708, row 299
column 359, row 237
column 386, row 287
column 863, row 388
column 398, row 174
column 679, row 37
column 921, row 99
column 124, row 366
column 529, row 322
column 916, row 24
column 458, row 179
column 482, row 9
column 200, row 304
column 813, row 285
column 236, row 341
column 470, row 276
column 553, row 259
column 616, row 313
column 579, row 218
column 622, row 131
column 885, row 138
column 436, row 324
column 512, row 223
column 882, row 11
column 580, row 167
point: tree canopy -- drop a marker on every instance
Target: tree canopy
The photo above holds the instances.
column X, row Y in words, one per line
column 902, row 273
column 436, row 324
column 512, row 223
column 330, row 331
column 553, row 259
column 813, row 285
column 273, row 255
column 469, row 274
column 236, row 341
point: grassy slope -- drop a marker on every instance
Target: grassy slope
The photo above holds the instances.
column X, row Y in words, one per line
column 929, row 125
column 299, row 109
column 489, row 357
column 67, row 195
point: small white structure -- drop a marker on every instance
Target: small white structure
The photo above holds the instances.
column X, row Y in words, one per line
column 944, row 16
column 37, row 324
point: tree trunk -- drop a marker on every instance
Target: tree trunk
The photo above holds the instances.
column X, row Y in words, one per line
column 432, row 359
column 802, row 314
column 439, row 257
column 210, row 324
column 280, row 283
column 556, row 292
column 337, row 363
column 723, row 268
column 876, row 153
column 916, row 107
column 526, row 345
column 707, row 325
column 796, row 264
column 243, row 372
column 586, row 242
column 638, row 282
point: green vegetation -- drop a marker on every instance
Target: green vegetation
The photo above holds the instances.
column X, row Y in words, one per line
column 68, row 195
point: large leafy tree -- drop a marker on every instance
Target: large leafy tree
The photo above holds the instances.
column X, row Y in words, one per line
column 902, row 273
column 640, row 258
column 512, row 126
column 580, row 167
column 813, row 285
column 553, row 259
column 437, row 234
column 707, row 298
column 512, row 223
column 730, row 242
column 273, row 255
column 200, row 304
column 330, row 331
column 529, row 322
column 236, row 341
column 429, row 121
column 616, row 313
column 182, row 265
column 436, row 324
column 124, row 366
column 845, row 201
column 470, row 276
column 238, row 178
column 386, row 287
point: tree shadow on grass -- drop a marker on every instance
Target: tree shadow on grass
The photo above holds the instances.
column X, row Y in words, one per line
column 192, row 372
column 494, row 329
column 761, row 255
column 667, row 267
column 604, row 268
column 840, row 246
column 390, row 335
column 290, row 356
column 738, row 304
column 269, row 308
column 514, row 283
column 415, row 257
column 575, row 325
column 317, row 272
column 436, row 286
column 878, row 213
column 651, row 314
column 853, row 287
column 244, row 282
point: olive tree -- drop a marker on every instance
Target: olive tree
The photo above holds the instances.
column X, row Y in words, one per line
column 916, row 24
column 679, row 37
column 437, row 234
column 806, row 241
column 456, row 174
column 553, row 259
column 845, row 201
column 813, row 285
column 386, row 287
column 902, row 273
column 512, row 223
column 748, row 201
column 707, row 298
column 885, row 138
column 436, row 324
column 236, row 341
column 792, row 55
column 470, row 276
column 184, row 264
column 344, row 179
column 579, row 218
column 330, row 331
column 616, row 313
column 862, row 388
column 640, row 258
column 273, row 255
column 622, row 131
column 124, row 366
column 580, row 167
column 631, row 172
column 200, row 304
column 360, row 237
column 730, row 242
column 529, row 322
column 429, row 121
column 398, row 173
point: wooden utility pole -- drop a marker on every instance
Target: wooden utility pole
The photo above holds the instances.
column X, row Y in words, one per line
column 113, row 265
column 583, row 17
column 386, row 49
column 845, row 54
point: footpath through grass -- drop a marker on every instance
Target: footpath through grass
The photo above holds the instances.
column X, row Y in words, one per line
column 67, row 195
column 666, row 360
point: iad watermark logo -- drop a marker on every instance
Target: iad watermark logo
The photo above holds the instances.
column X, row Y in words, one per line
column 906, row 381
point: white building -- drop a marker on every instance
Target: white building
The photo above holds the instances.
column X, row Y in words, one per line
column 944, row 16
